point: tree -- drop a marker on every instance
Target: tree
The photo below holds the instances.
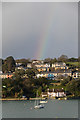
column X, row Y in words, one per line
column 19, row 72
column 23, row 61
column 73, row 59
column 63, row 58
column 47, row 60
column 39, row 90
column 30, row 73
column 9, row 64
column 78, row 59
column 66, row 80
column 74, row 87
column 53, row 61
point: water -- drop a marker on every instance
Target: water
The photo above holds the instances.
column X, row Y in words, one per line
column 53, row 109
column 0, row 109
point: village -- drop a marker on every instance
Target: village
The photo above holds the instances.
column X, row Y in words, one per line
column 55, row 73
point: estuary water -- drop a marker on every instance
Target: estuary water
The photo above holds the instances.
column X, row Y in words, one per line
column 0, row 109
column 52, row 109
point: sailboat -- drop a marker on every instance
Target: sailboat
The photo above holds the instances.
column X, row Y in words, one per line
column 37, row 103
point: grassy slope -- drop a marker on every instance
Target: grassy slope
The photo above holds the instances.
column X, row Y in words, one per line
column 74, row 63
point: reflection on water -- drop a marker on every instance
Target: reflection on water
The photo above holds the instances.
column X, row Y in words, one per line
column 53, row 109
column 0, row 109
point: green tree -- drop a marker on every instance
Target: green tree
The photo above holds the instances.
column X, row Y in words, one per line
column 9, row 64
column 74, row 87
column 30, row 73
column 23, row 61
column 73, row 59
column 66, row 80
column 39, row 90
column 53, row 61
column 63, row 58
column 47, row 60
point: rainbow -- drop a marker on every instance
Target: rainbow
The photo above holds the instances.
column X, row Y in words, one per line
column 44, row 37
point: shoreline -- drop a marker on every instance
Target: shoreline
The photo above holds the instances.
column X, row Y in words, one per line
column 20, row 99
column 13, row 99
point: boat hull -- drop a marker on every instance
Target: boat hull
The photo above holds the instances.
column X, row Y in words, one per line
column 39, row 106
column 43, row 101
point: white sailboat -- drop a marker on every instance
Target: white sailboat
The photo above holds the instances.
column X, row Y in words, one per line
column 37, row 103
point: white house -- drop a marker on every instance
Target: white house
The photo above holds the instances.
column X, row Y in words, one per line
column 43, row 65
column 39, row 75
column 35, row 61
column 76, row 75
column 18, row 64
column 59, row 65
column 29, row 65
column 56, row 93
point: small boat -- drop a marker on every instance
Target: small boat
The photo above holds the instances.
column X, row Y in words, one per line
column 43, row 101
column 37, row 104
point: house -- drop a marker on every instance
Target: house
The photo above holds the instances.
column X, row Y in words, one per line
column 47, row 65
column 35, row 61
column 20, row 68
column 41, row 69
column 49, row 75
column 44, row 94
column 56, row 93
column 7, row 75
column 63, row 72
column 59, row 65
column 18, row 64
column 29, row 65
column 52, row 75
column 40, row 75
column 76, row 74
column 42, row 65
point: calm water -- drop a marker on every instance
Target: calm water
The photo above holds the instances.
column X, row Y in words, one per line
column 53, row 109
column 0, row 109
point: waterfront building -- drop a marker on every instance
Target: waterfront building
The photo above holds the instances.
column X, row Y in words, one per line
column 56, row 93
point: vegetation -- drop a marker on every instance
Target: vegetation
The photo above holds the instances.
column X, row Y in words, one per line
column 24, row 82
column 23, row 61
column 27, row 87
column 63, row 58
column 8, row 65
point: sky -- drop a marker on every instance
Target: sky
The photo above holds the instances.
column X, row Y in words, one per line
column 39, row 30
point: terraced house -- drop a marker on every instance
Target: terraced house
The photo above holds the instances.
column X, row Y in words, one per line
column 59, row 65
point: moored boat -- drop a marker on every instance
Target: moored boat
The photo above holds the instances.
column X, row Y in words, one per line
column 37, row 104
column 43, row 101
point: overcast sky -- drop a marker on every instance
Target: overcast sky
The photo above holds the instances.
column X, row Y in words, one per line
column 39, row 30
